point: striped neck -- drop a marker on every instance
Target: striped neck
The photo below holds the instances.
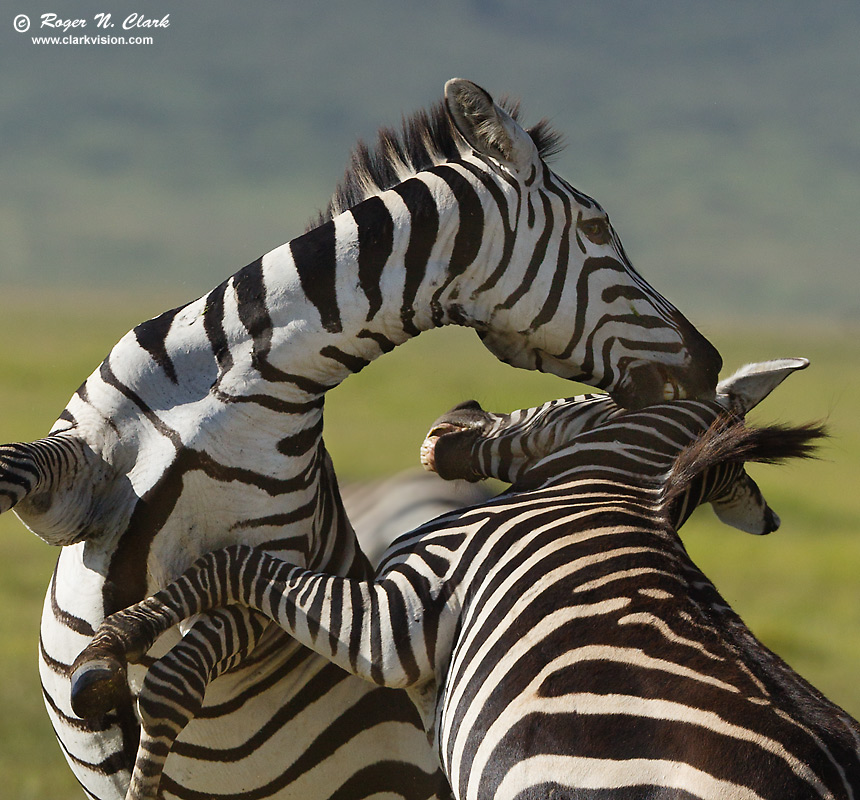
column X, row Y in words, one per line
column 326, row 304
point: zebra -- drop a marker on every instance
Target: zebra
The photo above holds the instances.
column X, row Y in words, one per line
column 203, row 427
column 558, row 640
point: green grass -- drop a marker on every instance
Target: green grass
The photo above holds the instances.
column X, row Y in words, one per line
column 796, row 589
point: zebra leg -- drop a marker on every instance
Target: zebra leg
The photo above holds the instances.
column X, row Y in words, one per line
column 175, row 685
column 99, row 671
column 292, row 597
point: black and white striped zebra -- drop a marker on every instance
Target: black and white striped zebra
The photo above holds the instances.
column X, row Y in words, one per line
column 203, row 427
column 558, row 640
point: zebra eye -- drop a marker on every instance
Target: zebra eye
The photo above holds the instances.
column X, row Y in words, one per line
column 595, row 229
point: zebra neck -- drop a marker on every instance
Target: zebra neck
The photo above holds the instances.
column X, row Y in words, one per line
column 331, row 301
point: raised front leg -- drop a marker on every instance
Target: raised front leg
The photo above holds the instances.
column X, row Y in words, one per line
column 364, row 628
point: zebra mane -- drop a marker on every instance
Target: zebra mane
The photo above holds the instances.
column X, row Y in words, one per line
column 426, row 138
column 729, row 440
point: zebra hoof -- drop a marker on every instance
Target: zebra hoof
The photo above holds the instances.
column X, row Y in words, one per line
column 97, row 687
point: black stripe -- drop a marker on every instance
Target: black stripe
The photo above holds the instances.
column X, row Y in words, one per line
column 251, row 301
column 316, row 264
column 375, row 242
column 598, row 736
column 291, row 544
column 66, row 415
column 314, row 610
column 152, row 337
column 559, row 278
column 352, row 362
column 424, row 228
column 589, row 267
column 64, row 618
column 279, row 520
column 628, row 292
column 213, row 324
column 499, row 198
column 384, row 343
column 374, row 613
column 357, row 633
column 398, row 613
column 270, row 402
column 552, row 789
column 470, row 231
column 538, row 255
column 301, row 442
column 335, row 620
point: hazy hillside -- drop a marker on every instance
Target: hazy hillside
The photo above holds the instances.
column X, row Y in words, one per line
column 724, row 139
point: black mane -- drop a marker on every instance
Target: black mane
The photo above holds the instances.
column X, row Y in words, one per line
column 728, row 440
column 426, row 138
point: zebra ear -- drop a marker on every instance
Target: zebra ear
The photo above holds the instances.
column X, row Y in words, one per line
column 751, row 384
column 744, row 507
column 488, row 128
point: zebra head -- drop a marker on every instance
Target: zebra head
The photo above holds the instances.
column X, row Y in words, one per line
column 601, row 322
column 527, row 445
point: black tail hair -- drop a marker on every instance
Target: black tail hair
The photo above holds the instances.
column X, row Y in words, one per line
column 729, row 440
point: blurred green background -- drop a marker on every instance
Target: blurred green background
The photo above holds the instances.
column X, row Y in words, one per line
column 724, row 140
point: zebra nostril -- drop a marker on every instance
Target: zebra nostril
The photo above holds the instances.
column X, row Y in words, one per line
column 771, row 520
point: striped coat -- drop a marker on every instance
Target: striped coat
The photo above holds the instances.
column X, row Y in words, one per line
column 203, row 427
column 558, row 640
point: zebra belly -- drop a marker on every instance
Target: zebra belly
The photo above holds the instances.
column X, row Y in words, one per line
column 290, row 725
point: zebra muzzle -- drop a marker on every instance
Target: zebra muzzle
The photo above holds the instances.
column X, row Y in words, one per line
column 447, row 448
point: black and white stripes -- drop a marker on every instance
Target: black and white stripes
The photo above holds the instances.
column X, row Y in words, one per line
column 203, row 427
column 558, row 640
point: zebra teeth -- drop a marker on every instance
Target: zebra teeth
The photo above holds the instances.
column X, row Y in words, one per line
column 672, row 391
column 428, row 454
column 428, row 446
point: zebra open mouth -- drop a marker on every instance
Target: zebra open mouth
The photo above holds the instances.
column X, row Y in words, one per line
column 428, row 446
column 672, row 391
column 446, row 449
